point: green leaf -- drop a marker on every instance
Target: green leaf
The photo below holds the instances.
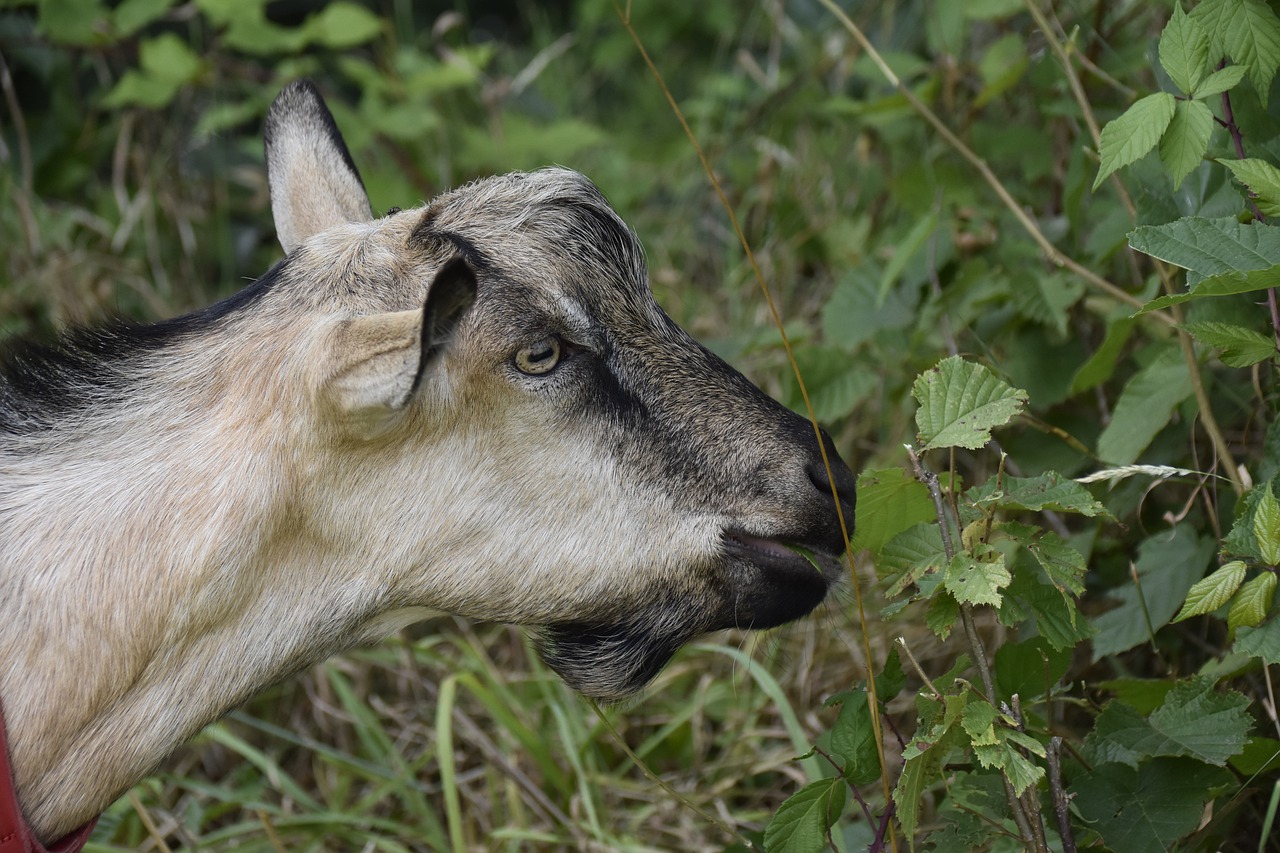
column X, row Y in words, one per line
column 1210, row 247
column 1146, row 810
column 1184, row 144
column 904, row 251
column 890, row 501
column 1168, row 564
column 1208, row 595
column 1101, row 366
column 924, row 758
column 941, row 615
column 1145, row 407
column 167, row 64
column 1247, row 31
column 960, row 403
column 978, row 721
column 1056, row 617
column 341, row 25
column 853, row 738
column 1252, row 602
column 1261, row 179
column 1134, row 133
column 1184, row 50
column 801, row 822
column 974, row 581
column 1029, row 668
column 78, row 22
column 1001, row 67
column 834, row 382
column 1266, row 527
column 132, row 15
column 1241, row 347
column 1065, row 566
column 1240, row 540
column 1050, row 491
column 1195, row 720
column 1262, row 642
column 913, row 552
column 1021, row 771
column 1220, row 81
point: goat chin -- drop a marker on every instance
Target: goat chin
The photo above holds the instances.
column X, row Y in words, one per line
column 614, row 660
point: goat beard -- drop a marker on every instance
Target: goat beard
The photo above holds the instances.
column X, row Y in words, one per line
column 615, row 660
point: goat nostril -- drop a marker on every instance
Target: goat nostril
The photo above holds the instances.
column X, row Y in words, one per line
column 821, row 474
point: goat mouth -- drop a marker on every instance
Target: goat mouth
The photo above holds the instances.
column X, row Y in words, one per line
column 779, row 581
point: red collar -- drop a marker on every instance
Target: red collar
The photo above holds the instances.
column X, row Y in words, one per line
column 15, row 835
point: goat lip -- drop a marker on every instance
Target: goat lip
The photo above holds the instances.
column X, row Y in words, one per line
column 779, row 555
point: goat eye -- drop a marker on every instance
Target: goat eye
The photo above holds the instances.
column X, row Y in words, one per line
column 539, row 358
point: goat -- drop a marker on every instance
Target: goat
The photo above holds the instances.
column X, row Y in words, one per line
column 475, row 407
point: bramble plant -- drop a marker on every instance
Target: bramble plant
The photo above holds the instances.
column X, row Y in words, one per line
column 1145, row 770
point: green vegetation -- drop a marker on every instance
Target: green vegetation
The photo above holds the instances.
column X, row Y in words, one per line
column 1033, row 241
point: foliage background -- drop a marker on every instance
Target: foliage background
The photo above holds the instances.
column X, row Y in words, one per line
column 134, row 185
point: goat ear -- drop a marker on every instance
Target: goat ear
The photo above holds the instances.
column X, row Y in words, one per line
column 378, row 361
column 314, row 183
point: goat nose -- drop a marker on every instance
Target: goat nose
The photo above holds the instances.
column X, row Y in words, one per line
column 845, row 481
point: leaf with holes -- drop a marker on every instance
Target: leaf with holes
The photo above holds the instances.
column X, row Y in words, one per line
column 961, row 402
column 1048, row 492
column 974, row 581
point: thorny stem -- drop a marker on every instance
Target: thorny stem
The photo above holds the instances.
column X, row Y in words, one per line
column 1061, row 804
column 1050, row 251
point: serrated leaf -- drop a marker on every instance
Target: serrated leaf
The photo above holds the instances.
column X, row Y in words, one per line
column 1247, row 31
column 1145, row 407
column 1261, row 642
column 961, row 402
column 1220, row 81
column 1195, row 720
column 1184, row 50
column 1240, row 539
column 1064, row 565
column 1135, row 132
column 973, row 581
column 1210, row 247
column 1209, row 594
column 1241, row 347
column 1266, row 527
column 1021, row 772
column 800, row 825
column 913, row 552
column 1050, row 491
column 1252, row 602
column 978, row 721
column 1184, row 144
column 1227, row 284
column 1148, row 809
column 1262, row 181
column 924, row 758
column 853, row 738
column 890, row 501
column 1056, row 617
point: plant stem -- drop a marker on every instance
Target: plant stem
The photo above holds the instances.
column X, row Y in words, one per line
column 1050, row 251
column 1061, row 805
